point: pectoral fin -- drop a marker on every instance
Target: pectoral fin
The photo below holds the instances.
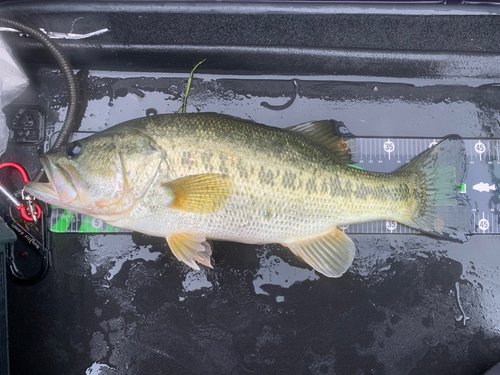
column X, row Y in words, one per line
column 189, row 248
column 331, row 254
column 198, row 193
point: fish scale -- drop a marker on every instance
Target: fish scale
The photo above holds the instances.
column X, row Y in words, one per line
column 319, row 213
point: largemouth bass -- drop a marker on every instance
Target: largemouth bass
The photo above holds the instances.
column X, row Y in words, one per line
column 193, row 177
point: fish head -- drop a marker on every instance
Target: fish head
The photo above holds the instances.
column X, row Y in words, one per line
column 103, row 175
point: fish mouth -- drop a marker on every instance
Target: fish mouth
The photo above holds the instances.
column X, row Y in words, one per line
column 62, row 187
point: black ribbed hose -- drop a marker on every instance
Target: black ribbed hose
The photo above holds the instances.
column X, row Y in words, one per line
column 54, row 49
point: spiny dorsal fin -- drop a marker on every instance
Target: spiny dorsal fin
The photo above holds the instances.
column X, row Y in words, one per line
column 331, row 134
column 198, row 193
column 189, row 248
column 331, row 254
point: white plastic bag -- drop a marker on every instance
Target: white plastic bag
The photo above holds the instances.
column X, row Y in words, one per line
column 13, row 82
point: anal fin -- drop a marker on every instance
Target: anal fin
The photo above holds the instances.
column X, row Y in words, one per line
column 331, row 254
column 189, row 248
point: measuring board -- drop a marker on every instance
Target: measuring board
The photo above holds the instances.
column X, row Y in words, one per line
column 481, row 189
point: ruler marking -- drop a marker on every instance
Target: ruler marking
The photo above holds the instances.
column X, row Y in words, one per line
column 407, row 150
column 370, row 149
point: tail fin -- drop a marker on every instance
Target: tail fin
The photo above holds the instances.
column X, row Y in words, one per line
column 438, row 174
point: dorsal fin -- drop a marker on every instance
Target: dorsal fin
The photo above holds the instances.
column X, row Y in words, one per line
column 331, row 134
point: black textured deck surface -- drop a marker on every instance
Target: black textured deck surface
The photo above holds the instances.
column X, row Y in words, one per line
column 122, row 304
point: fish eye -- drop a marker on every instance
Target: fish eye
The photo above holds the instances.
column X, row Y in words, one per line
column 73, row 149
